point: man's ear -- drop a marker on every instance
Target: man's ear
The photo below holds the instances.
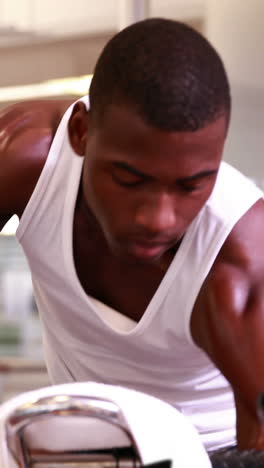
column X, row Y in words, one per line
column 78, row 128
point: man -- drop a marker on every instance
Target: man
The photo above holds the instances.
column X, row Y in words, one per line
column 145, row 249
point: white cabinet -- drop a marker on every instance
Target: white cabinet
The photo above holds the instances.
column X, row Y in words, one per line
column 82, row 16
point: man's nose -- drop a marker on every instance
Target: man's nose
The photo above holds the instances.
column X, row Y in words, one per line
column 157, row 215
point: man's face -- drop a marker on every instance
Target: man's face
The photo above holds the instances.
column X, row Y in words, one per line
column 145, row 186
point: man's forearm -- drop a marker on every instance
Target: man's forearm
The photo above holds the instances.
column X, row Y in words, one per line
column 250, row 429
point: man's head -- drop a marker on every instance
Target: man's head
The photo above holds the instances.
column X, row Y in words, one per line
column 154, row 136
column 167, row 71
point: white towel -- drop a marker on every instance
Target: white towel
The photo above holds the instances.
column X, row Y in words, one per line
column 159, row 430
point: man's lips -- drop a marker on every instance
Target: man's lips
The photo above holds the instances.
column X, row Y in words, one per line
column 143, row 248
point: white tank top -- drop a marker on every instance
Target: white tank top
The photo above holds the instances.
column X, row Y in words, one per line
column 156, row 355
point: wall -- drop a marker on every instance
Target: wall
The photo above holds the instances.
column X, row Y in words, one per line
column 236, row 29
column 76, row 16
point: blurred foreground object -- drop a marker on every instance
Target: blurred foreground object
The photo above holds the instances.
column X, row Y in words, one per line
column 90, row 424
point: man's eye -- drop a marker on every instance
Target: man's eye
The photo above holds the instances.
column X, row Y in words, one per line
column 127, row 179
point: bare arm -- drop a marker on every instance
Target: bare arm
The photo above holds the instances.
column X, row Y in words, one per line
column 228, row 320
column 27, row 131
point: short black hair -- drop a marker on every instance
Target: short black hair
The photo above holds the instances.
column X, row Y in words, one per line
column 167, row 71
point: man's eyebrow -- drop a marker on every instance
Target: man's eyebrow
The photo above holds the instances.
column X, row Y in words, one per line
column 192, row 178
column 198, row 175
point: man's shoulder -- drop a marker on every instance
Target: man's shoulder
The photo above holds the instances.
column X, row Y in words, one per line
column 240, row 260
column 27, row 131
column 244, row 245
column 236, row 277
column 233, row 193
column 36, row 115
column 32, row 110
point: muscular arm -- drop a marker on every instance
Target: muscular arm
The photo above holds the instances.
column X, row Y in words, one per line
column 228, row 320
column 26, row 133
